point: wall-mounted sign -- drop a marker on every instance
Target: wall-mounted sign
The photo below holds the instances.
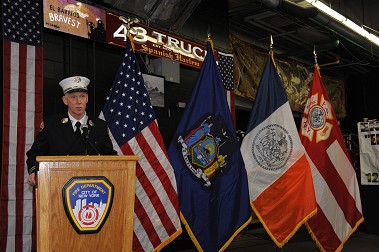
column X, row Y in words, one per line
column 87, row 21
column 368, row 136
column 156, row 43
column 75, row 18
column 87, row 202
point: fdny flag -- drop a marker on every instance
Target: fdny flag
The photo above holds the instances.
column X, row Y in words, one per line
column 339, row 210
column 210, row 174
column 280, row 179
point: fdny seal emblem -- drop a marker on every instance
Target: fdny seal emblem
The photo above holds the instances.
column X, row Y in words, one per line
column 206, row 148
column 272, row 147
column 87, row 202
column 317, row 117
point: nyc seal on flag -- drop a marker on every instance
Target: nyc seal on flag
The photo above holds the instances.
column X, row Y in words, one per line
column 272, row 147
column 205, row 148
column 87, row 202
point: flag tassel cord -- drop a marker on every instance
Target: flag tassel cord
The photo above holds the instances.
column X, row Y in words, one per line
column 209, row 39
column 316, row 63
column 271, row 52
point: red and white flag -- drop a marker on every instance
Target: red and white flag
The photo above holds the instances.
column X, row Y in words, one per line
column 339, row 210
column 22, row 114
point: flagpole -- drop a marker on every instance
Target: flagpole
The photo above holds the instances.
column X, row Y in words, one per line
column 271, row 52
column 209, row 38
column 315, row 57
column 126, row 23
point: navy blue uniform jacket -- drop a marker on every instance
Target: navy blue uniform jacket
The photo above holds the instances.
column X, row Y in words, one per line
column 57, row 138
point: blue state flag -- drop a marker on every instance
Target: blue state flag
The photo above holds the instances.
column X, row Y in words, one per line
column 208, row 165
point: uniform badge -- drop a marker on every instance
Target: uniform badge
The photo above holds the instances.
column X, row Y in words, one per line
column 207, row 148
column 90, row 122
column 87, row 202
column 77, row 79
column 64, row 120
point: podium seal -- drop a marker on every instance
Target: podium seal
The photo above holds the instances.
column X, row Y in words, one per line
column 87, row 202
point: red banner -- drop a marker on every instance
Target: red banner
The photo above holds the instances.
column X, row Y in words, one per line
column 155, row 43
column 75, row 18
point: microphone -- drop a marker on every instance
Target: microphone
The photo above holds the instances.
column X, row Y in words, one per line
column 85, row 131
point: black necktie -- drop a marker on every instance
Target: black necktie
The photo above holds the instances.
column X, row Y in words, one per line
column 78, row 133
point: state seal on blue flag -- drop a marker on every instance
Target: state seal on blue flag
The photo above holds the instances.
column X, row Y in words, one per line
column 87, row 201
column 205, row 147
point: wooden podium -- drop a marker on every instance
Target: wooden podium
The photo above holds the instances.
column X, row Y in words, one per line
column 61, row 177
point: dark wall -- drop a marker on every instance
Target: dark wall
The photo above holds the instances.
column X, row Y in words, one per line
column 361, row 101
column 66, row 55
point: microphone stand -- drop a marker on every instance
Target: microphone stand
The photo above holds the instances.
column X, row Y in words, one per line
column 87, row 140
column 81, row 138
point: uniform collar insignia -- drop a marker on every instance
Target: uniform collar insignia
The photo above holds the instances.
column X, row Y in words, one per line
column 64, row 120
column 90, row 122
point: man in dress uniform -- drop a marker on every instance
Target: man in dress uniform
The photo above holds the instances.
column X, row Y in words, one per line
column 74, row 133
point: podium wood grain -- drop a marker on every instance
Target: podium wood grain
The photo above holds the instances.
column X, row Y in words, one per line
column 54, row 230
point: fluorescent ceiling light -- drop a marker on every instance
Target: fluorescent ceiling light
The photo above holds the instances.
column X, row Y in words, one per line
column 345, row 21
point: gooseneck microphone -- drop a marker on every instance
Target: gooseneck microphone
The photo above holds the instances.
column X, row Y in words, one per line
column 85, row 131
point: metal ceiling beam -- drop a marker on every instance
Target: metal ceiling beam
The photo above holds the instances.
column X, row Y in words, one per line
column 328, row 23
column 291, row 8
column 367, row 48
column 317, row 47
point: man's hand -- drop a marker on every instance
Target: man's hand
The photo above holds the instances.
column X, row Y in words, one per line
column 32, row 179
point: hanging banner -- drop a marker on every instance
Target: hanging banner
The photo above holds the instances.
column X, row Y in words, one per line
column 368, row 134
column 87, row 21
column 75, row 18
column 155, row 43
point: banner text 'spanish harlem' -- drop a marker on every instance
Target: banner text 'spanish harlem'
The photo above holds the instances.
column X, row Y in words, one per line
column 134, row 131
column 211, row 177
column 22, row 115
column 280, row 179
column 339, row 210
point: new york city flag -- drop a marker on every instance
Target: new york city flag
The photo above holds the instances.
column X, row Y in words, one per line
column 279, row 175
column 209, row 169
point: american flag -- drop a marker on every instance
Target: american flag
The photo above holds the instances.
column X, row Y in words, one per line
column 22, row 114
column 227, row 76
column 134, row 131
